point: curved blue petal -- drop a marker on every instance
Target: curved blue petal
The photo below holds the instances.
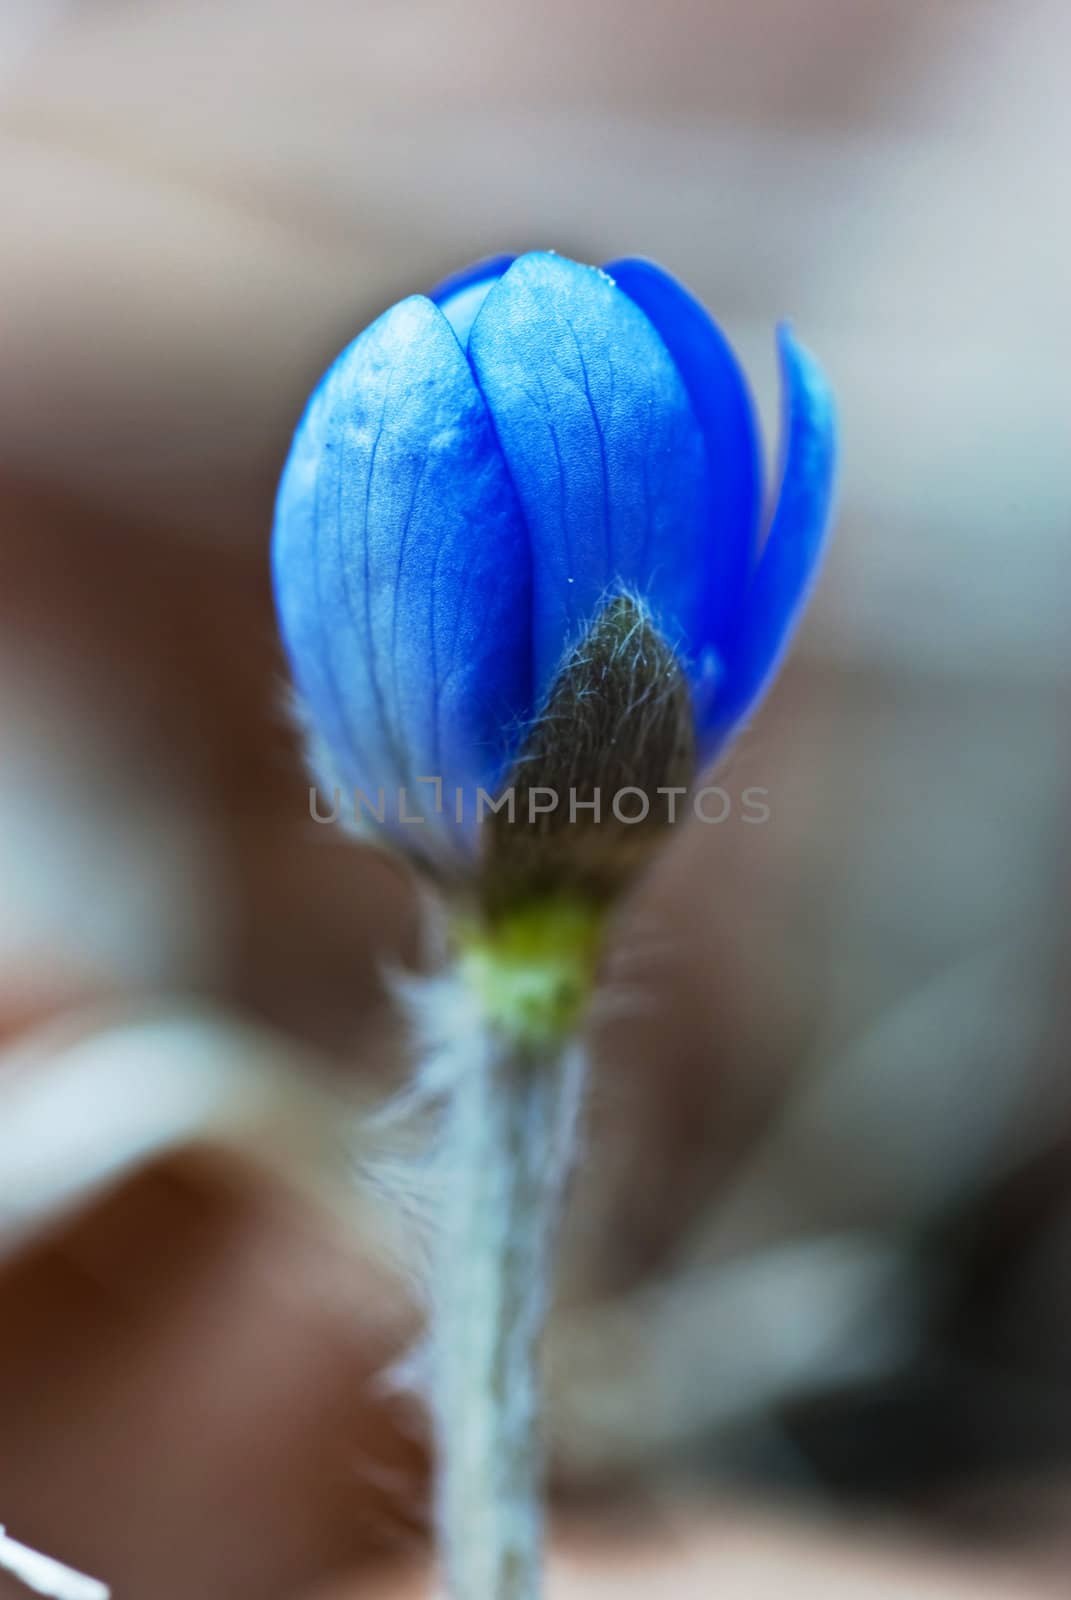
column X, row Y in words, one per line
column 604, row 449
column 460, row 296
column 401, row 568
column 789, row 561
column 722, row 404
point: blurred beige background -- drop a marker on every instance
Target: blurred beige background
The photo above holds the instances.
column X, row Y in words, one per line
column 822, row 1243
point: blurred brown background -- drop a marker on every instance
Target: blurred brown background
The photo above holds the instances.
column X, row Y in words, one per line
column 820, row 1256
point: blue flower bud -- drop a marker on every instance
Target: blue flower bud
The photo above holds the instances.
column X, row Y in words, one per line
column 481, row 474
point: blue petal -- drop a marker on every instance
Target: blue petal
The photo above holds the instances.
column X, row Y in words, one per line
column 723, row 408
column 401, row 567
column 603, row 447
column 789, row 561
column 460, row 296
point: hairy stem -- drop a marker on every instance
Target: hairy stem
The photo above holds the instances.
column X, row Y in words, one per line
column 505, row 1145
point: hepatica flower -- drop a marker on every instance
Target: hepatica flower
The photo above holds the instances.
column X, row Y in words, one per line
column 519, row 539
column 520, row 558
